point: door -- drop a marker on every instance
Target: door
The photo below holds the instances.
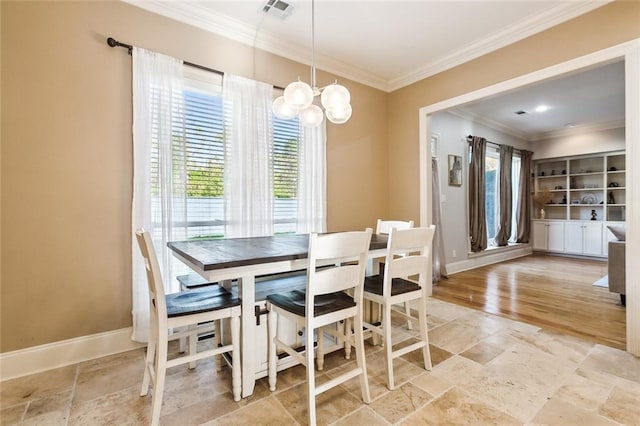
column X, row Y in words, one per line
column 539, row 235
column 592, row 238
column 555, row 236
column 573, row 237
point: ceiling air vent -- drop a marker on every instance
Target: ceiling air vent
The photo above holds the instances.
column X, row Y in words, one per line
column 521, row 112
column 278, row 8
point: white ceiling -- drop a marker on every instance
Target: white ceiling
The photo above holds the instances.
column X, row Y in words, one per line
column 393, row 43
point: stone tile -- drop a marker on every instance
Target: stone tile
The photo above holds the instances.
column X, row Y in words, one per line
column 517, row 382
column 570, row 348
column 583, row 392
column 400, row 402
column 123, row 407
column 377, row 384
column 12, row 415
column 457, row 408
column 484, row 351
column 39, row 385
column 464, row 332
column 202, row 411
column 267, row 412
column 444, row 310
column 415, row 357
column 433, row 385
column 94, row 383
column 561, row 413
column 55, row 408
column 403, row 371
column 623, row 404
column 362, row 416
column 613, row 361
column 331, row 405
column 113, row 360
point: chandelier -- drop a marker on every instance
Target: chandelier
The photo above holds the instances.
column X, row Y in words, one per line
column 300, row 99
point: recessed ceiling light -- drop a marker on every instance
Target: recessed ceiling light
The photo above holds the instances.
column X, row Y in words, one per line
column 541, row 108
column 521, row 112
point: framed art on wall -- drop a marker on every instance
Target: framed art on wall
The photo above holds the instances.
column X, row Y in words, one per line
column 455, row 170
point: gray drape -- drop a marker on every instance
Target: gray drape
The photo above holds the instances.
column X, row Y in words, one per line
column 523, row 210
column 477, row 216
column 505, row 196
column 439, row 266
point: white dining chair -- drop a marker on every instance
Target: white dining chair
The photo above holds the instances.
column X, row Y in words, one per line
column 323, row 303
column 194, row 311
column 385, row 227
column 408, row 256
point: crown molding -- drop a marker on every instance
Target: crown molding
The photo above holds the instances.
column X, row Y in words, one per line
column 516, row 32
column 195, row 14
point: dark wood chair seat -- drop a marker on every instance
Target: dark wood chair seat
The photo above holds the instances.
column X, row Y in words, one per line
column 198, row 301
column 374, row 284
column 294, row 302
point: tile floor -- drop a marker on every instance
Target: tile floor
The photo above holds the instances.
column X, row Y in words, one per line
column 487, row 370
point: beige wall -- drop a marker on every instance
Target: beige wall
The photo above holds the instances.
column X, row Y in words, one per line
column 607, row 26
column 67, row 158
column 66, row 146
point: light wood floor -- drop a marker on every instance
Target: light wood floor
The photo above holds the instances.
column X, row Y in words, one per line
column 552, row 292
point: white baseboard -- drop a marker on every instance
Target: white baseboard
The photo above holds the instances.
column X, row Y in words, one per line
column 488, row 259
column 66, row 352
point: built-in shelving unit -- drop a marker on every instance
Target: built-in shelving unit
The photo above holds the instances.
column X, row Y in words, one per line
column 587, row 194
column 583, row 188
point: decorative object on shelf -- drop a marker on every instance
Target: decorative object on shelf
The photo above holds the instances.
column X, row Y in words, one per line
column 613, row 169
column 541, row 173
column 593, row 215
column 573, row 184
column 298, row 98
column 455, row 170
column 589, row 199
column 564, row 200
column 575, row 201
column 564, row 172
column 613, row 184
column 542, row 198
column 553, row 172
column 610, row 198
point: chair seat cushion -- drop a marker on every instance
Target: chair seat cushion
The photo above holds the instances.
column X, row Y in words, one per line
column 197, row 301
column 373, row 284
column 294, row 302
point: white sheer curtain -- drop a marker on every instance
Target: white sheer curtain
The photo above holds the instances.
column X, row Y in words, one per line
column 159, row 204
column 312, row 181
column 248, row 173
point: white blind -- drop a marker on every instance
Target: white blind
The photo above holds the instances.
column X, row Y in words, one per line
column 200, row 133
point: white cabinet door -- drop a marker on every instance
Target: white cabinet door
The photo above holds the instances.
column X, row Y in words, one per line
column 539, row 235
column 573, row 237
column 548, row 235
column 592, row 238
column 555, row 236
column 583, row 238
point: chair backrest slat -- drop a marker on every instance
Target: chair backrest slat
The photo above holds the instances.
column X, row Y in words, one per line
column 385, row 226
column 348, row 251
column 408, row 254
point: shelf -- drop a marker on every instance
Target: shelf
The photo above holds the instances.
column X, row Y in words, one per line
column 585, row 178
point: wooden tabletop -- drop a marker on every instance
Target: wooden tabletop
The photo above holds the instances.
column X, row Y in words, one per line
column 232, row 252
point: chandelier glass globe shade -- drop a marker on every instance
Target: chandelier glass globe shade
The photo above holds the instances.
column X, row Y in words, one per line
column 298, row 95
column 311, row 116
column 335, row 96
column 339, row 115
column 282, row 110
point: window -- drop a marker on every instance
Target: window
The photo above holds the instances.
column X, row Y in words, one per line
column 492, row 194
column 200, row 137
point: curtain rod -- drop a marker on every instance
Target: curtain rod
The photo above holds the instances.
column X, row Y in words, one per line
column 470, row 138
column 115, row 43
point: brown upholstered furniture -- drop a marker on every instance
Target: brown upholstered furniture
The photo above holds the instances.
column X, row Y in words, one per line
column 616, row 266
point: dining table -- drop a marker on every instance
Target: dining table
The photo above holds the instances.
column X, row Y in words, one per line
column 225, row 260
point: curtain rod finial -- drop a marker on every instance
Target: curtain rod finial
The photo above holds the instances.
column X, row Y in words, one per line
column 112, row 42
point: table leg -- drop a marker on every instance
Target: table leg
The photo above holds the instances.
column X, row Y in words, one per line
column 248, row 330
